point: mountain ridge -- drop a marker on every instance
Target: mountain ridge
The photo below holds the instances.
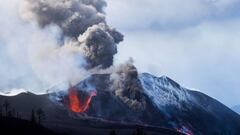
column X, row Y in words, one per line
column 236, row 109
column 168, row 105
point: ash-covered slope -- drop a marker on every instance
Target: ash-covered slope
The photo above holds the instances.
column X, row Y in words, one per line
column 236, row 109
column 190, row 109
column 167, row 104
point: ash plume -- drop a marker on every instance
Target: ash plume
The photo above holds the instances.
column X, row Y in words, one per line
column 127, row 86
column 81, row 21
column 72, row 16
column 67, row 41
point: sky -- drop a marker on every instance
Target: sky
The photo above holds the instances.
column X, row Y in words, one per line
column 194, row 42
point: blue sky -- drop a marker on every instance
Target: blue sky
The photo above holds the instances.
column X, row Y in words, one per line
column 195, row 42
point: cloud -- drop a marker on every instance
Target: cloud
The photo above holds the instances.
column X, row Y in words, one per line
column 12, row 68
column 194, row 42
column 166, row 14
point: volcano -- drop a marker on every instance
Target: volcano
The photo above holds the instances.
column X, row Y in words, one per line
column 167, row 105
column 169, row 108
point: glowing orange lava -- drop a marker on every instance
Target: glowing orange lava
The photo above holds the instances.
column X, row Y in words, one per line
column 79, row 105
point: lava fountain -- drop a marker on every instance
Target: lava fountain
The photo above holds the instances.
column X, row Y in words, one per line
column 79, row 101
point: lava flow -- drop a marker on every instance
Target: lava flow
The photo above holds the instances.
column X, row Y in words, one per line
column 79, row 104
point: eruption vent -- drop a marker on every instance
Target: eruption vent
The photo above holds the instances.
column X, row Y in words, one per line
column 79, row 102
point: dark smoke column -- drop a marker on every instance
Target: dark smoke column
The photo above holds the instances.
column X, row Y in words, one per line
column 84, row 30
column 81, row 21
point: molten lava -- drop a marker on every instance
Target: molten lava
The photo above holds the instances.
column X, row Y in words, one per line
column 79, row 105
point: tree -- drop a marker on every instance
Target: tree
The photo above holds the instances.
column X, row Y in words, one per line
column 138, row 131
column 113, row 132
column 13, row 112
column 18, row 116
column 6, row 105
column 1, row 111
column 10, row 114
column 33, row 117
column 40, row 115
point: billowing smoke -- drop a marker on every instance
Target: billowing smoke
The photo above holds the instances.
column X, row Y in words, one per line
column 46, row 42
column 127, row 86
column 63, row 41
column 74, row 17
column 82, row 22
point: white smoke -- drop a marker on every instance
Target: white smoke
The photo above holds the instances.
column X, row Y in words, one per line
column 20, row 43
